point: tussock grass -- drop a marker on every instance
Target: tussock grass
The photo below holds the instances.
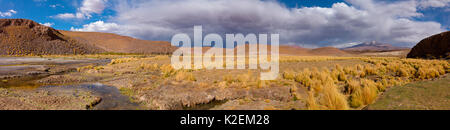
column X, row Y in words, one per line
column 148, row 67
column 333, row 99
column 337, row 87
column 184, row 76
column 311, row 102
column 352, row 86
column 289, row 75
column 167, row 70
column 361, row 83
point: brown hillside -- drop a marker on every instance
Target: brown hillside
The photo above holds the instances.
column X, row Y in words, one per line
column 436, row 46
column 24, row 37
column 294, row 50
column 121, row 44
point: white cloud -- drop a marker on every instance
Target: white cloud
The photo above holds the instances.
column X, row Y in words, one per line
column 99, row 26
column 86, row 10
column 47, row 24
column 93, row 6
column 65, row 16
column 56, row 5
column 8, row 13
column 357, row 21
column 70, row 16
column 434, row 3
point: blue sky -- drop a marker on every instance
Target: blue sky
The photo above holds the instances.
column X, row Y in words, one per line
column 112, row 15
column 42, row 10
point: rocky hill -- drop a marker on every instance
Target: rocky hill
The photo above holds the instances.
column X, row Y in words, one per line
column 26, row 37
column 436, row 46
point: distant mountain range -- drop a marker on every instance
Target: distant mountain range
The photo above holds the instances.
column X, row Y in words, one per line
column 373, row 46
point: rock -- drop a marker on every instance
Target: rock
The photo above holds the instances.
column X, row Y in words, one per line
column 436, row 46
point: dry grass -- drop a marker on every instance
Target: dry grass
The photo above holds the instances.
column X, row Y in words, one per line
column 184, row 76
column 324, row 84
column 362, row 83
column 167, row 71
column 364, row 95
column 352, row 86
column 311, row 102
column 333, row 99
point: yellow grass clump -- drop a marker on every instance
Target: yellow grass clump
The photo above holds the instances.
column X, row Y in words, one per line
column 148, row 67
column 289, row 75
column 365, row 95
column 167, row 70
column 311, row 102
column 333, row 99
column 352, row 86
column 122, row 60
column 182, row 75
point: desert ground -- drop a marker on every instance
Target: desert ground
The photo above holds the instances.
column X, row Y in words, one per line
column 149, row 82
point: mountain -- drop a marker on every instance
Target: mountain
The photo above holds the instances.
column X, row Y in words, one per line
column 121, row 44
column 25, row 37
column 436, row 46
column 373, row 46
column 328, row 51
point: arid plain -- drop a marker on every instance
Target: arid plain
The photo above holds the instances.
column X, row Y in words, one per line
column 119, row 72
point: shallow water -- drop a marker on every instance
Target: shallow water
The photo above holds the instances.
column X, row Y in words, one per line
column 112, row 99
column 35, row 60
column 25, row 82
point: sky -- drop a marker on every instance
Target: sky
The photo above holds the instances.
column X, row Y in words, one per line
column 308, row 23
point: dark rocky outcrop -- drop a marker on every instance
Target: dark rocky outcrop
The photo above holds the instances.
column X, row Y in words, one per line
column 436, row 46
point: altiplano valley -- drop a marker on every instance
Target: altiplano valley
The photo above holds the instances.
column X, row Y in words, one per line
column 224, row 55
column 307, row 79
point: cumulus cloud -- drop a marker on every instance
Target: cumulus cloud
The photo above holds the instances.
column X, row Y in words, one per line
column 350, row 22
column 47, row 24
column 93, row 6
column 8, row 13
column 70, row 16
column 434, row 3
column 88, row 8
column 99, row 26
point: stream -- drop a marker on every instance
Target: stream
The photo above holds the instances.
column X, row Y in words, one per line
column 15, row 73
column 112, row 99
